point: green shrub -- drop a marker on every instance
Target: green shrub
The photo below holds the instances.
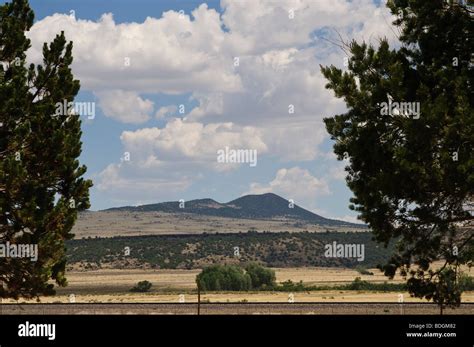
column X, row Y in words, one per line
column 363, row 271
column 290, row 286
column 261, row 277
column 357, row 284
column 466, row 282
column 142, row 287
column 223, row 277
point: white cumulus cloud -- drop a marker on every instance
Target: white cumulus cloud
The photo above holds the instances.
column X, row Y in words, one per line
column 127, row 107
column 293, row 183
column 279, row 46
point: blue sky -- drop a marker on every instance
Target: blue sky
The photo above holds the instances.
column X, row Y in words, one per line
column 188, row 60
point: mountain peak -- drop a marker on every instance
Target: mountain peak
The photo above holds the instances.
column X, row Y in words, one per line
column 257, row 197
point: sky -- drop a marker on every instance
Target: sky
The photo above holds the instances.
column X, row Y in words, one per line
column 174, row 82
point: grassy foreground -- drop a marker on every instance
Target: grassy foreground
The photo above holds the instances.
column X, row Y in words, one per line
column 174, row 286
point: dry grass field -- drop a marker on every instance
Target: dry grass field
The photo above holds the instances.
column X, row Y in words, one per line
column 113, row 280
column 171, row 286
column 329, row 296
column 120, row 223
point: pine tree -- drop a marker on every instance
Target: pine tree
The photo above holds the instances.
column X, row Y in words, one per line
column 412, row 173
column 41, row 184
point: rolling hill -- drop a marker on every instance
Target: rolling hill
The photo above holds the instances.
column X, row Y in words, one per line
column 266, row 212
column 257, row 207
